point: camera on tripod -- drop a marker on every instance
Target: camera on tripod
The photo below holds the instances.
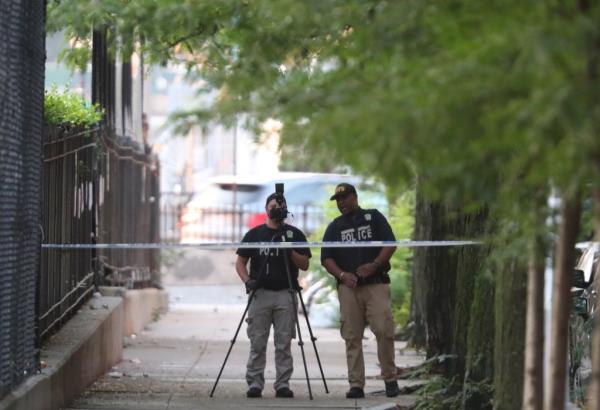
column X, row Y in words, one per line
column 280, row 213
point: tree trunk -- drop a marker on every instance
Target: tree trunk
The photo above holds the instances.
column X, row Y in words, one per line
column 417, row 331
column 561, row 302
column 471, row 260
column 422, row 230
column 509, row 340
column 434, row 274
column 480, row 345
column 594, row 392
column 533, row 389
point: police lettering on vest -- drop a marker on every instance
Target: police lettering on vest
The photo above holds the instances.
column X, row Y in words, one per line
column 362, row 225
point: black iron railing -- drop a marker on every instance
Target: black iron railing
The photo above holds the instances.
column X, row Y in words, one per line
column 96, row 189
column 69, row 179
column 128, row 212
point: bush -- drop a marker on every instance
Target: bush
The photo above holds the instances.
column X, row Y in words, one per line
column 69, row 109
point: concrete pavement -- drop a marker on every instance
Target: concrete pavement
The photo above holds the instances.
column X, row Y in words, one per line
column 174, row 362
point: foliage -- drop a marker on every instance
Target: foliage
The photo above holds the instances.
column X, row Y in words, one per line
column 500, row 89
column 439, row 394
column 297, row 158
column 401, row 219
column 427, row 369
column 69, row 108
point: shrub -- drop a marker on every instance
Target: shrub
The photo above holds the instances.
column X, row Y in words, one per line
column 69, row 109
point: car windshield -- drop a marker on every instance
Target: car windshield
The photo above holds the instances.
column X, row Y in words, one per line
column 311, row 193
column 223, row 194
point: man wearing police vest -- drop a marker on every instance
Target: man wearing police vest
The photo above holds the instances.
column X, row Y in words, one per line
column 272, row 304
column 363, row 286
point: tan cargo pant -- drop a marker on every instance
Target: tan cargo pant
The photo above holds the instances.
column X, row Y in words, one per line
column 270, row 307
column 369, row 303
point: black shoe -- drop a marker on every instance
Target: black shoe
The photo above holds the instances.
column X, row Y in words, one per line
column 284, row 392
column 355, row 393
column 254, row 393
column 392, row 389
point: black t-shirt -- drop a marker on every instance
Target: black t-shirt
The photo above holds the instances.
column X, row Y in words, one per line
column 274, row 276
column 362, row 225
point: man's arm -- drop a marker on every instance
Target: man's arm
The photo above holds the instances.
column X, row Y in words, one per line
column 300, row 256
column 241, row 268
column 327, row 260
column 384, row 233
column 385, row 254
column 300, row 260
column 380, row 260
column 347, row 278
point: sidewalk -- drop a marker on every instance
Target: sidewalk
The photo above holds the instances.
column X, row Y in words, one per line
column 173, row 364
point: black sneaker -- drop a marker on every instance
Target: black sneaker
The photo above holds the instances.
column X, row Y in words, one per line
column 392, row 389
column 284, row 392
column 254, row 392
column 355, row 393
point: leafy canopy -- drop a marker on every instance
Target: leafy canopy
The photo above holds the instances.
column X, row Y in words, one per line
column 484, row 100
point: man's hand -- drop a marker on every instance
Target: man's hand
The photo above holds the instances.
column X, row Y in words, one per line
column 251, row 285
column 349, row 279
column 366, row 270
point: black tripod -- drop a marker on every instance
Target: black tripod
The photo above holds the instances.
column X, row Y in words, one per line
column 292, row 291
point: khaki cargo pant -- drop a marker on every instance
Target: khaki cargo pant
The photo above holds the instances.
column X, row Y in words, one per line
column 270, row 307
column 369, row 303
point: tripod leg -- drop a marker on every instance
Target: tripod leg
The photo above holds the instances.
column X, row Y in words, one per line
column 232, row 342
column 313, row 339
column 286, row 263
column 300, row 342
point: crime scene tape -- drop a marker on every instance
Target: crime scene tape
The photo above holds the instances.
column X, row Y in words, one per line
column 252, row 245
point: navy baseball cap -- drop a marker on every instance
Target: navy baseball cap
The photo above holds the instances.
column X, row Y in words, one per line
column 342, row 190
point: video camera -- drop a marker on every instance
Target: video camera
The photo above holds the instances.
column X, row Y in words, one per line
column 280, row 213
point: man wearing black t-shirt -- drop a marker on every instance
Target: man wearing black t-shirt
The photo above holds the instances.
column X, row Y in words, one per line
column 363, row 286
column 273, row 300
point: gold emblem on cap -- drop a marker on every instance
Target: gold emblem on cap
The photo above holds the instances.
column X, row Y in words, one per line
column 340, row 189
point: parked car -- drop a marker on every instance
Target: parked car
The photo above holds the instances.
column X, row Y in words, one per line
column 584, row 297
column 230, row 205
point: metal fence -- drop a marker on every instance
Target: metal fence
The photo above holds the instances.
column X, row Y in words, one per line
column 66, row 276
column 184, row 222
column 128, row 211
column 22, row 88
column 172, row 206
column 96, row 189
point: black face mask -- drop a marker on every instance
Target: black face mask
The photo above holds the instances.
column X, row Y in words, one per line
column 278, row 214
